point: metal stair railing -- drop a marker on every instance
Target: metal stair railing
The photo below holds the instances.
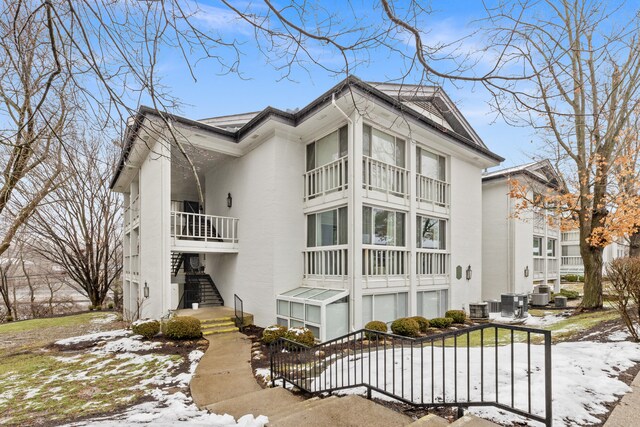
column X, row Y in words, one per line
column 432, row 371
column 238, row 308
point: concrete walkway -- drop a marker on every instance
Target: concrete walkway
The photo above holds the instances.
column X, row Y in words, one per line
column 625, row 414
column 224, row 372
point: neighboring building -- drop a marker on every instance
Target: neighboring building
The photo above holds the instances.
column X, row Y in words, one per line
column 571, row 260
column 365, row 204
column 518, row 252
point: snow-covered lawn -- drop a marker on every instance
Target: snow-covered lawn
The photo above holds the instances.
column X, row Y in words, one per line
column 106, row 373
column 585, row 377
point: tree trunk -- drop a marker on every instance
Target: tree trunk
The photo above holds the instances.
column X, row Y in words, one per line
column 592, row 261
column 634, row 244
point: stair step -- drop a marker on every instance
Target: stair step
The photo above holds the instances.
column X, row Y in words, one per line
column 217, row 325
column 473, row 421
column 345, row 411
column 219, row 331
column 216, row 320
column 298, row 407
column 263, row 402
column 430, row 420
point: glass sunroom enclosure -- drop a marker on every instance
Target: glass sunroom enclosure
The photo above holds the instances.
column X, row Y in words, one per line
column 323, row 311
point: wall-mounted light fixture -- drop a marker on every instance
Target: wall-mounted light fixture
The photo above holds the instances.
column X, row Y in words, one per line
column 526, row 271
column 229, row 200
column 469, row 272
column 145, row 290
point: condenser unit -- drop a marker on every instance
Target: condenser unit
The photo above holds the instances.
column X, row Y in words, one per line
column 494, row 306
column 540, row 300
column 479, row 310
column 513, row 305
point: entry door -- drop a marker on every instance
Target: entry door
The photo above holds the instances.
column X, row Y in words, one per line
column 191, row 294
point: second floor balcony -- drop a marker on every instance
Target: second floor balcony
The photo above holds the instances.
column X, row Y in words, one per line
column 203, row 233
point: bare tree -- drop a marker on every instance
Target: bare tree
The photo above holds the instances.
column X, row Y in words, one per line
column 79, row 227
column 585, row 62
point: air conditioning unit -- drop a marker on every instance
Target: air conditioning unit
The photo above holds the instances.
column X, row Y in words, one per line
column 540, row 300
column 544, row 289
column 513, row 305
column 479, row 310
column 494, row 306
column 560, row 301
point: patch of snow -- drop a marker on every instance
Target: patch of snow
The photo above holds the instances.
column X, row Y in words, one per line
column 618, row 336
column 127, row 344
column 104, row 320
column 97, row 336
column 584, row 377
column 546, row 320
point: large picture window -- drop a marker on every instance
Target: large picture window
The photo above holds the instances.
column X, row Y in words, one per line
column 537, row 246
column 433, row 303
column 383, row 147
column 327, row 149
column 328, row 228
column 384, row 307
column 383, row 227
column 431, row 165
column 431, row 233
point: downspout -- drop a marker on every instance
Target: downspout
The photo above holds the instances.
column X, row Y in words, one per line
column 352, row 211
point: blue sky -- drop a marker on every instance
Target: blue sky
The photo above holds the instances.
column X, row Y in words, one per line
column 261, row 86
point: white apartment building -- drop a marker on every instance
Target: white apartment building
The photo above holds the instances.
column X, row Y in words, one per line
column 518, row 252
column 571, row 260
column 364, row 205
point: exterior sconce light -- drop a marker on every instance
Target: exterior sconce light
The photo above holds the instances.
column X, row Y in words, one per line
column 146, row 290
column 469, row 273
column 229, row 200
column 526, row 271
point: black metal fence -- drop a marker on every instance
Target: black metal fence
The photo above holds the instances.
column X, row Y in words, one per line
column 238, row 308
column 504, row 366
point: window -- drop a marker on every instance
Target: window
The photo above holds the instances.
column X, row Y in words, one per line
column 570, row 250
column 327, row 228
column 383, row 147
column 383, row 227
column 384, row 307
column 551, row 248
column 433, row 303
column 537, row 246
column 327, row 149
column 431, row 233
column 431, row 165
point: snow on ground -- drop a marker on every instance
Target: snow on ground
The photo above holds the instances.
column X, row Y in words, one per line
column 546, row 320
column 584, row 377
column 105, row 320
column 97, row 336
column 170, row 405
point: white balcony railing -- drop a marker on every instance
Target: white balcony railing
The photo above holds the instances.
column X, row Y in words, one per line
column 430, row 263
column 208, row 228
column 570, row 236
column 326, row 179
column 380, row 176
column 552, row 266
column 538, row 267
column 378, row 261
column 571, row 260
column 133, row 213
column 325, row 261
column 135, row 265
column 432, row 191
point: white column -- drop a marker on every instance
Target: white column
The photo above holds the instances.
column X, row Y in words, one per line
column 411, row 230
column 355, row 218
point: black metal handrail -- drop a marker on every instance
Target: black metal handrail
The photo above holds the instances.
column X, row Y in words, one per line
column 433, row 371
column 238, row 307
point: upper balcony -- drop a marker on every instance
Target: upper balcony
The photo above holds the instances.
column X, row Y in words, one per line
column 191, row 232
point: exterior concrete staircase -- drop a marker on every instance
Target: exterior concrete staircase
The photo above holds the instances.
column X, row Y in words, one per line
column 285, row 409
column 220, row 325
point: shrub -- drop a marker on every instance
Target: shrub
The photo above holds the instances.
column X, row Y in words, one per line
column 273, row 333
column 147, row 328
column 91, row 308
column 624, row 276
column 9, row 318
column 98, row 307
column 580, row 278
column 374, row 325
column 182, row 327
column 458, row 316
column 569, row 294
column 423, row 323
column 110, row 306
column 405, row 326
column 300, row 335
column 441, row 322
column 571, row 278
